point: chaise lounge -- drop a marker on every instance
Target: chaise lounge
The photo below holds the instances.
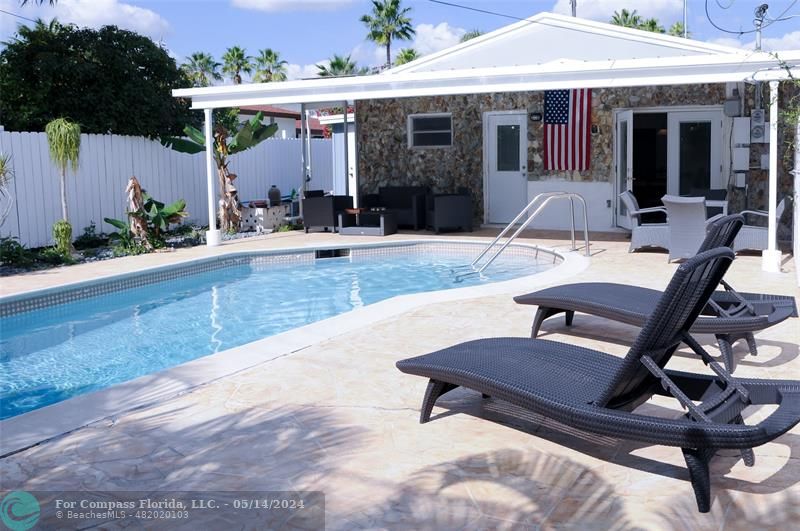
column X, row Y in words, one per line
column 730, row 315
column 599, row 393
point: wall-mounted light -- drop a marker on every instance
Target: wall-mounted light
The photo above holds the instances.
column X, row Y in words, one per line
column 536, row 117
column 595, row 129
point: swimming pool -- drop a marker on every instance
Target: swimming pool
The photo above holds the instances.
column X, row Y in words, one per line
column 73, row 341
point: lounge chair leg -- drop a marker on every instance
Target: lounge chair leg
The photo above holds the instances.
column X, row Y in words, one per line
column 751, row 343
column 725, row 343
column 434, row 391
column 748, row 456
column 544, row 313
column 697, row 463
column 568, row 316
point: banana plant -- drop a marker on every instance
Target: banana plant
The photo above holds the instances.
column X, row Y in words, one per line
column 248, row 135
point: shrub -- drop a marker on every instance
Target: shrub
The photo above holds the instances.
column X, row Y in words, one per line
column 62, row 234
column 14, row 254
column 90, row 239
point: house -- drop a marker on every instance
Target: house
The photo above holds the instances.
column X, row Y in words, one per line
column 288, row 120
column 667, row 115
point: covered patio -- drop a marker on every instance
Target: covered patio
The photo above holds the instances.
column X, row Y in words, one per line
column 400, row 83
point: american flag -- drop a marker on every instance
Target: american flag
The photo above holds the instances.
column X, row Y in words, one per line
column 567, row 120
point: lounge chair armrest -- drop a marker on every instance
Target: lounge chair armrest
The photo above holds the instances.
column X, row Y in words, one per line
column 714, row 218
column 755, row 212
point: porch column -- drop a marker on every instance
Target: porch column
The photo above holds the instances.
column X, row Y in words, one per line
column 213, row 234
column 347, row 190
column 302, row 191
column 309, row 168
column 771, row 258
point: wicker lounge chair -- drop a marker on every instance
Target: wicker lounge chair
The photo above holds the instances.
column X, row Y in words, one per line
column 598, row 393
column 730, row 315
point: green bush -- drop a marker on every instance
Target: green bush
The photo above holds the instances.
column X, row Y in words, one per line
column 14, row 254
column 62, row 234
column 90, row 239
column 52, row 256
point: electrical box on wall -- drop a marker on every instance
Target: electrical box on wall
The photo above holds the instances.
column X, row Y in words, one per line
column 741, row 181
column 741, row 131
column 741, row 159
column 758, row 127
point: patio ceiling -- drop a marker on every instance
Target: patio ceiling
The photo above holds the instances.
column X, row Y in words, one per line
column 757, row 66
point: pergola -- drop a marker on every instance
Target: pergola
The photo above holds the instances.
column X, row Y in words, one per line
column 695, row 69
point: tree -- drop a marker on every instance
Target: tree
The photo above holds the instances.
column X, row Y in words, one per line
column 471, row 34
column 64, row 140
column 38, row 2
column 107, row 80
column 339, row 65
column 651, row 24
column 676, row 30
column 406, row 55
column 626, row 19
column 201, row 69
column 269, row 66
column 388, row 21
column 235, row 62
column 226, row 142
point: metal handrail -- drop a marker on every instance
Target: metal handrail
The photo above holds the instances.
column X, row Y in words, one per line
column 545, row 199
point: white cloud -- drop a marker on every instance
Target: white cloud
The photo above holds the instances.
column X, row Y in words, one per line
column 603, row 10
column 296, row 71
column 292, row 5
column 430, row 38
column 91, row 13
column 788, row 41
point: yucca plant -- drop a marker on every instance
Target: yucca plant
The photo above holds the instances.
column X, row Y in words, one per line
column 64, row 139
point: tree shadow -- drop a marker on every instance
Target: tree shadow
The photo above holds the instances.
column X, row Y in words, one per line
column 502, row 489
column 622, row 451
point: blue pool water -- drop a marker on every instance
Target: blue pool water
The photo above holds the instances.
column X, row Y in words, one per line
column 55, row 353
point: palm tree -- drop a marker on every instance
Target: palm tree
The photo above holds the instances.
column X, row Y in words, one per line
column 38, row 2
column 388, row 21
column 64, row 139
column 201, row 69
column 235, row 62
column 471, row 34
column 269, row 66
column 626, row 19
column 339, row 65
column 406, row 55
column 651, row 24
column 677, row 30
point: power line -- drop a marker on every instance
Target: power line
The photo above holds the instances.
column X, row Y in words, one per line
column 15, row 15
column 745, row 32
column 484, row 11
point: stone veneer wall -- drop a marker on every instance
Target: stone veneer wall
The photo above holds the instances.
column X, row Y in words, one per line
column 384, row 157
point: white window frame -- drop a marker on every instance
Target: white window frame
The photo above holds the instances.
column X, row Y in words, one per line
column 410, row 131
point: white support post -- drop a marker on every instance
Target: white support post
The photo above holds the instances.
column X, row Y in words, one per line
column 796, row 203
column 213, row 236
column 346, row 131
column 771, row 258
column 309, row 166
column 302, row 191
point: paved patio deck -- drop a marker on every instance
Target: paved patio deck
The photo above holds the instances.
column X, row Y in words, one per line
column 338, row 417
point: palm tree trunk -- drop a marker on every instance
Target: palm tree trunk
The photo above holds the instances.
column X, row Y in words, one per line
column 64, row 195
column 389, row 52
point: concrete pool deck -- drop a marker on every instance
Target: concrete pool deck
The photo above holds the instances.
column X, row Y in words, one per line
column 336, row 416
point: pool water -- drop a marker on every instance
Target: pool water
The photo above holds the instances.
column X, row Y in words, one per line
column 55, row 353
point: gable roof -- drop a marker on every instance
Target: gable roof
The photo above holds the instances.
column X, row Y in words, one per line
column 551, row 38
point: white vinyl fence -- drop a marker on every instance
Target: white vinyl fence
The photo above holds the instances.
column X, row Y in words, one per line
column 97, row 189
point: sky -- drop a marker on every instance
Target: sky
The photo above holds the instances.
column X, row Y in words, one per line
column 306, row 32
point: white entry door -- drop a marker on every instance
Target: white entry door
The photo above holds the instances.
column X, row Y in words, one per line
column 506, row 154
column 694, row 145
column 623, row 163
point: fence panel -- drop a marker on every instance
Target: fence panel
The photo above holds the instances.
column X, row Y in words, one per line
column 97, row 189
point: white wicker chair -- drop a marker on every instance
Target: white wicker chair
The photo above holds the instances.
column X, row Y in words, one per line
column 644, row 234
column 687, row 224
column 753, row 237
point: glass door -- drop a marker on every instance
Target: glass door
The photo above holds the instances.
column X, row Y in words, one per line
column 623, row 163
column 694, row 145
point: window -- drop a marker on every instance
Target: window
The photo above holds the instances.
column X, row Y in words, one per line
column 430, row 130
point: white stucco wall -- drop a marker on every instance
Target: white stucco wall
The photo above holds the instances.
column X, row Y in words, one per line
column 556, row 213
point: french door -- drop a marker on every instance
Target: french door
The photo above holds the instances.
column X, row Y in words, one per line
column 694, row 152
column 623, row 163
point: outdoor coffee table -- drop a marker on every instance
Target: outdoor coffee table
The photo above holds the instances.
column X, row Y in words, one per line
column 367, row 223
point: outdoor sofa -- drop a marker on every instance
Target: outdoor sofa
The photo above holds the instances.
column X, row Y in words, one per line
column 406, row 202
column 599, row 393
column 730, row 315
column 449, row 211
column 320, row 210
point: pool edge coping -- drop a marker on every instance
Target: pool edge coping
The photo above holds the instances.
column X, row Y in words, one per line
column 56, row 420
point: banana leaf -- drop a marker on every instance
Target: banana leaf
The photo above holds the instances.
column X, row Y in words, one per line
column 121, row 225
column 182, row 145
column 195, row 134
